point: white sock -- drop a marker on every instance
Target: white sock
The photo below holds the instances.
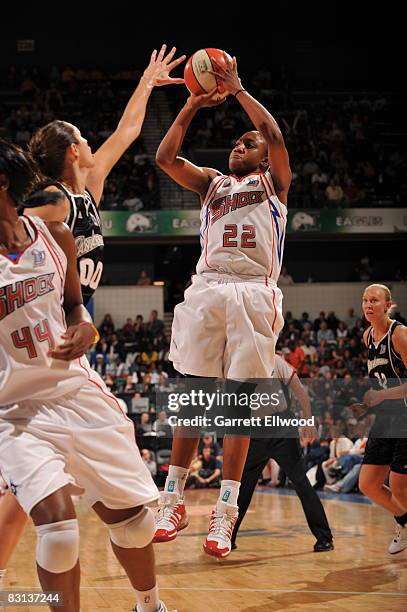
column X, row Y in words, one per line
column 148, row 601
column 2, row 577
column 229, row 492
column 176, row 479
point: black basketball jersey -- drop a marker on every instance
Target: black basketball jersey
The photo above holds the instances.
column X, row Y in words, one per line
column 85, row 224
column 385, row 365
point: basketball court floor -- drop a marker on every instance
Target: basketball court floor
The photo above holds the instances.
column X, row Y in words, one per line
column 273, row 569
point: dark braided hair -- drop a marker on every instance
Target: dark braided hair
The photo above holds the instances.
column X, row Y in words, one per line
column 19, row 168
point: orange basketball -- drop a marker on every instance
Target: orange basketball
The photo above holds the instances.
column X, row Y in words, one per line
column 196, row 75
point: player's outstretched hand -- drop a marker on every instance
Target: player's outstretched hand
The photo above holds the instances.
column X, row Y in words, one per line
column 212, row 98
column 228, row 76
column 77, row 340
column 158, row 71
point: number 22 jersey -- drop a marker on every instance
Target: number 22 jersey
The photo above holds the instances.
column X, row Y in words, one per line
column 243, row 227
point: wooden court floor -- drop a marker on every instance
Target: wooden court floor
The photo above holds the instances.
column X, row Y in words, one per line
column 273, row 568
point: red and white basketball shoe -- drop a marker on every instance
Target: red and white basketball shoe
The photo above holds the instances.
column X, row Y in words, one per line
column 218, row 542
column 171, row 517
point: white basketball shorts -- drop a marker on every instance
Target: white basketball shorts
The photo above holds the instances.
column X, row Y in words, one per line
column 227, row 327
column 82, row 439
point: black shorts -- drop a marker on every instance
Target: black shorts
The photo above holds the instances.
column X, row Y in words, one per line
column 387, row 451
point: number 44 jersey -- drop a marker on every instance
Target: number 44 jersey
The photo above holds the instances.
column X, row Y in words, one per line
column 32, row 321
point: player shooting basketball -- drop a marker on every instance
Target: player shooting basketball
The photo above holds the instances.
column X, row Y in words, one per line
column 230, row 319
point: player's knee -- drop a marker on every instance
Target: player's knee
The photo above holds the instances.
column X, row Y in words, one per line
column 399, row 489
column 134, row 532
column 369, row 487
column 58, row 546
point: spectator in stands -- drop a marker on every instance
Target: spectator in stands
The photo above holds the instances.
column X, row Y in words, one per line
column 149, row 356
column 309, row 351
column 100, row 365
column 149, row 462
column 319, row 320
column 351, row 192
column 128, row 330
column 317, row 453
column 351, row 318
column 209, row 473
column 364, row 270
column 129, row 387
column 107, row 326
column 296, row 355
column 342, row 331
column 145, row 427
column 132, row 203
column 324, row 333
column 160, row 344
column 333, row 192
column 207, row 441
column 155, row 326
column 285, row 278
column 143, row 279
column 161, row 426
column 348, row 469
column 319, row 177
column 339, row 446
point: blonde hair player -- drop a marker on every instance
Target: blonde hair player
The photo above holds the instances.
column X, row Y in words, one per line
column 50, row 400
column 231, row 316
column 386, row 341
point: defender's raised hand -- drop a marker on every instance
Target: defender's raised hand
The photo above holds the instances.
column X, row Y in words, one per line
column 158, row 71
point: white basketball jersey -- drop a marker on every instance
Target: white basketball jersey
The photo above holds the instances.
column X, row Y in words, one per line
column 32, row 321
column 242, row 227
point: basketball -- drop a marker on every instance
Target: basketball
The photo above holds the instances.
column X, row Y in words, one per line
column 197, row 78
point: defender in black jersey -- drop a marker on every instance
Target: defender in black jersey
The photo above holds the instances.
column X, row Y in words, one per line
column 386, row 449
column 67, row 163
column 84, row 221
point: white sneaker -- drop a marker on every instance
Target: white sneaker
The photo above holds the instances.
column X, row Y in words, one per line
column 399, row 542
column 219, row 540
column 171, row 517
column 162, row 608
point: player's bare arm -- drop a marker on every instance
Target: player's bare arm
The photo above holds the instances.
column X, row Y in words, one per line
column 156, row 74
column 184, row 172
column 80, row 333
column 56, row 211
column 264, row 123
column 307, row 433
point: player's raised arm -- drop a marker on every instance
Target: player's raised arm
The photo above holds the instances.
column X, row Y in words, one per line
column 81, row 333
column 265, row 124
column 184, row 172
column 129, row 127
